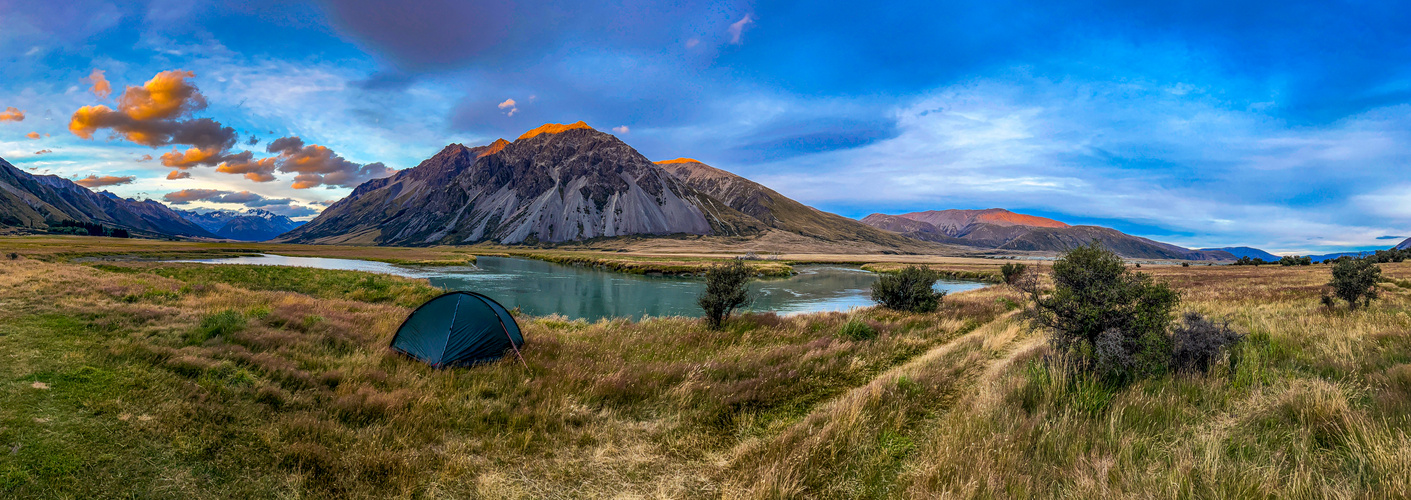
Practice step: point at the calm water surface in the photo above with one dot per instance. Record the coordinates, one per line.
(543, 288)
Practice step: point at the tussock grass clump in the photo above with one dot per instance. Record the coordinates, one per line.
(856, 329)
(219, 324)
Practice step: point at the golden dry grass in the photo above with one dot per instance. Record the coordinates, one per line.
(192, 385)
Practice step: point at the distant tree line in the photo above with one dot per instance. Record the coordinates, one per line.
(1379, 257)
(87, 229)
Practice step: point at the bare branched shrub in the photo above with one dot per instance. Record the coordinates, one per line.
(1012, 272)
(1199, 343)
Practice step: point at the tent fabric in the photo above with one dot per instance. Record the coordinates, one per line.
(458, 329)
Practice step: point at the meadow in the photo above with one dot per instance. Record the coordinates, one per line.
(170, 380)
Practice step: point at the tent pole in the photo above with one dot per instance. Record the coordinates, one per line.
(512, 346)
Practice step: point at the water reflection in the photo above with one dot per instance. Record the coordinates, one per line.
(543, 288)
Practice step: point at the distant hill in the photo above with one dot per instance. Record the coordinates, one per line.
(555, 183)
(249, 225)
(1001, 229)
(773, 209)
(1253, 253)
(38, 201)
(1405, 244)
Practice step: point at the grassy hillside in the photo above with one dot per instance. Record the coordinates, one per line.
(174, 380)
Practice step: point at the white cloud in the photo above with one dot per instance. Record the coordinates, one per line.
(737, 28)
(1180, 168)
(510, 105)
(620, 129)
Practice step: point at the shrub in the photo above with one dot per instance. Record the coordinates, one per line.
(908, 290)
(1111, 320)
(1355, 281)
(1012, 272)
(1199, 343)
(856, 329)
(1185, 264)
(726, 290)
(120, 233)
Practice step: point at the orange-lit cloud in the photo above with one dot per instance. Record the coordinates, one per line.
(192, 157)
(32, 135)
(101, 87)
(164, 97)
(43, 152)
(317, 165)
(261, 170)
(189, 195)
(153, 115)
(93, 181)
(178, 174)
(11, 115)
(144, 158)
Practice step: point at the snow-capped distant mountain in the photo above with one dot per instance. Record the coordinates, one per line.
(248, 225)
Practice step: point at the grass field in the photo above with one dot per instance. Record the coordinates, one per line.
(183, 381)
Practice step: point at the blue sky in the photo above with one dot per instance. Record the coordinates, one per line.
(1281, 125)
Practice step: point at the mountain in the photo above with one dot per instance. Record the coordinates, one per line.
(36, 201)
(1253, 253)
(1405, 244)
(250, 225)
(554, 183)
(1005, 230)
(773, 209)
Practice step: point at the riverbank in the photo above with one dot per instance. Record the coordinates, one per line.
(204, 381)
(56, 248)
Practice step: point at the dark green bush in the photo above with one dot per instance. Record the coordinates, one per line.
(1199, 343)
(1111, 320)
(908, 290)
(1012, 272)
(726, 290)
(1355, 281)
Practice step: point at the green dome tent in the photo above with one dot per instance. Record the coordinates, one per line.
(458, 329)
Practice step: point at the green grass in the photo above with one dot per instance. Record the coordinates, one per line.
(185, 381)
(322, 283)
(219, 381)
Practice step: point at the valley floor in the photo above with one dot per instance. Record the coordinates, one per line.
(150, 379)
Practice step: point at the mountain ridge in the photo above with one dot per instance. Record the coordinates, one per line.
(555, 183)
(34, 201)
(1001, 229)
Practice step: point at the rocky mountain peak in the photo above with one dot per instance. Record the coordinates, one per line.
(553, 128)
